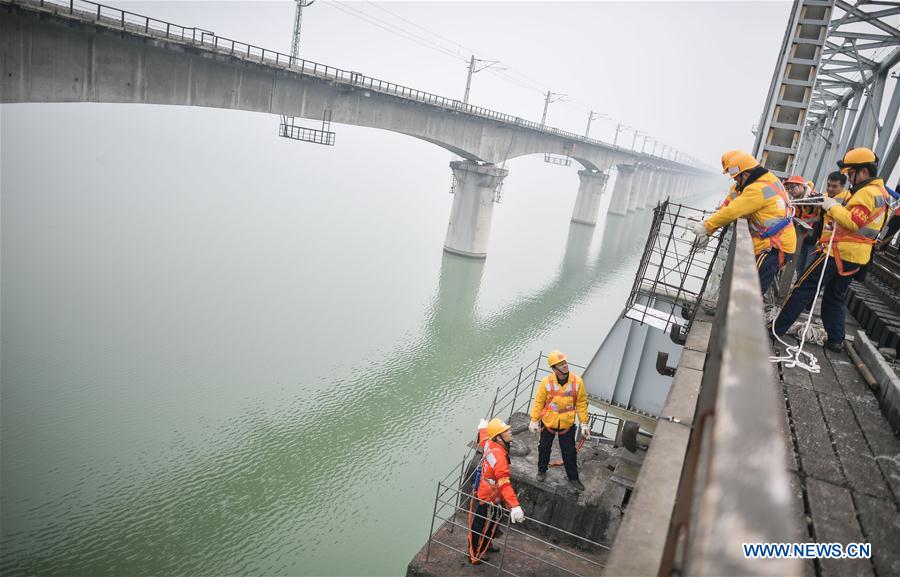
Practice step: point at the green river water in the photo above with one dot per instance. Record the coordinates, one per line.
(224, 353)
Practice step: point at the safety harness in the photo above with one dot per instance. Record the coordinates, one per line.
(477, 552)
(554, 392)
(772, 232)
(864, 235)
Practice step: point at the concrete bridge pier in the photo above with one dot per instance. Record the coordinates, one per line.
(590, 192)
(619, 202)
(672, 187)
(635, 190)
(653, 195)
(469, 228)
(645, 190)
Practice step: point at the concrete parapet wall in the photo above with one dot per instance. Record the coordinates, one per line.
(715, 474)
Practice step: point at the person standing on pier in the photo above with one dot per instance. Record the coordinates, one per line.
(492, 486)
(559, 397)
(763, 201)
(854, 226)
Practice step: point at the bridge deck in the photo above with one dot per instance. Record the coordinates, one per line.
(845, 465)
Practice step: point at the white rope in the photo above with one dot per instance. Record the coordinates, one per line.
(794, 353)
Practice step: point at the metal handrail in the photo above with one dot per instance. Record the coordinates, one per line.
(140, 24)
(514, 386)
(465, 497)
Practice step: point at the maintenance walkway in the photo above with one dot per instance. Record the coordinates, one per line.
(844, 463)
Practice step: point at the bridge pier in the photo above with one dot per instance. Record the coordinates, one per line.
(671, 189)
(619, 202)
(683, 186)
(653, 188)
(590, 192)
(473, 204)
(636, 188)
(645, 178)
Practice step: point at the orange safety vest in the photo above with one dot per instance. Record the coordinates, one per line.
(866, 234)
(494, 483)
(555, 392)
(809, 214)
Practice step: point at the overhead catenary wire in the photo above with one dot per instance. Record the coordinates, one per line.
(448, 47)
(399, 31)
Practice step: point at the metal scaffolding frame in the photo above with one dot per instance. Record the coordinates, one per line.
(855, 100)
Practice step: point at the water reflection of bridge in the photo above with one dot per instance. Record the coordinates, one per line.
(272, 476)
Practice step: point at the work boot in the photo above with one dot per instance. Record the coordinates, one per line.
(542, 476)
(834, 347)
(493, 548)
(577, 484)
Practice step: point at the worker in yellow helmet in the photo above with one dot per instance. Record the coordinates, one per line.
(492, 488)
(559, 397)
(850, 227)
(763, 201)
(732, 192)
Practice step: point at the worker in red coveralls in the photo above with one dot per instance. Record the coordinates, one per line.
(492, 487)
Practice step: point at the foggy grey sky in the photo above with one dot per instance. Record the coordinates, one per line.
(691, 74)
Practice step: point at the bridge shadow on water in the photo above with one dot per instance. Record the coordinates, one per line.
(257, 507)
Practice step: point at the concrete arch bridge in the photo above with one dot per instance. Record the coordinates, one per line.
(79, 51)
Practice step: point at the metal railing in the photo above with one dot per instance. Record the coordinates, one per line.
(513, 396)
(305, 134)
(510, 398)
(136, 23)
(450, 503)
(671, 268)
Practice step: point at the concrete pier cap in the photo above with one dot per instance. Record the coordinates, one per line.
(469, 228)
(619, 202)
(590, 193)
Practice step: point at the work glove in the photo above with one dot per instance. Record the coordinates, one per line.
(586, 430)
(534, 427)
(701, 238)
(516, 515)
(828, 202)
(482, 424)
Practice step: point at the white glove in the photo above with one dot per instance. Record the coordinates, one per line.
(586, 430)
(701, 238)
(516, 515)
(482, 424)
(828, 202)
(534, 426)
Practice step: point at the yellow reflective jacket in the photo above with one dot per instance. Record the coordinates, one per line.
(858, 223)
(732, 194)
(764, 204)
(556, 406)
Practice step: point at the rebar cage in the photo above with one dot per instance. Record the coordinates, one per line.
(673, 271)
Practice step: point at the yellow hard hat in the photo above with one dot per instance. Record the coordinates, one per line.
(495, 427)
(727, 157)
(857, 157)
(555, 357)
(738, 162)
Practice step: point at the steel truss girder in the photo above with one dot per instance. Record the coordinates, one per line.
(791, 91)
(846, 101)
